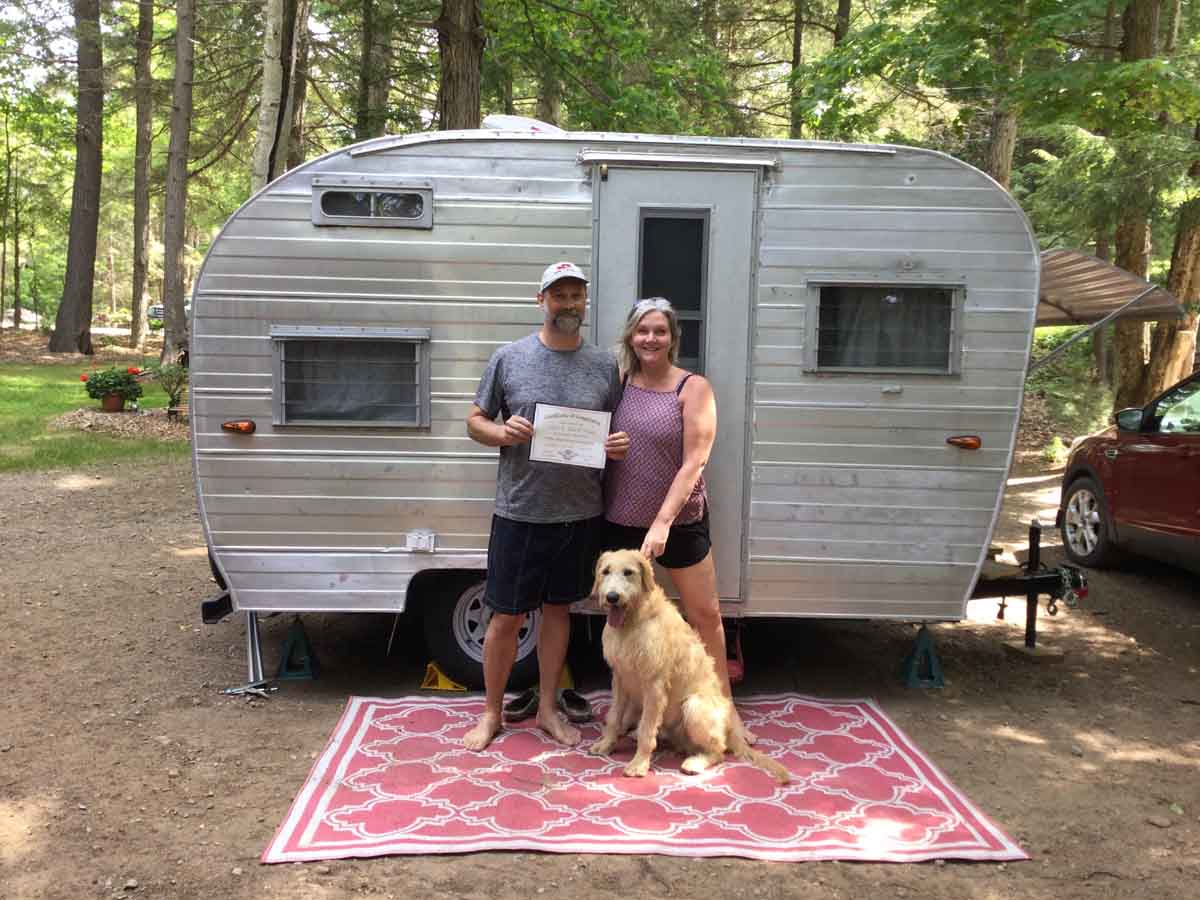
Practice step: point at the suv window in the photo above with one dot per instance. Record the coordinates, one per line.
(1179, 409)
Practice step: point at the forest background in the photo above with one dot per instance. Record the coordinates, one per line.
(132, 130)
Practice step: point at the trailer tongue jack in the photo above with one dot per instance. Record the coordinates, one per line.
(1063, 582)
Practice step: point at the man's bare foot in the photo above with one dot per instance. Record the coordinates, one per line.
(556, 726)
(483, 732)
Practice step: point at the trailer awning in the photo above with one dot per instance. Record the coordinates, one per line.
(1080, 289)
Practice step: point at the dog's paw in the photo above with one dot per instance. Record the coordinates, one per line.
(637, 768)
(694, 765)
(602, 747)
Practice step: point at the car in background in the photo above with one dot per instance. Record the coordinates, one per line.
(156, 313)
(1136, 486)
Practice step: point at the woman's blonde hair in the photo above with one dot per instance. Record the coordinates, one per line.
(626, 359)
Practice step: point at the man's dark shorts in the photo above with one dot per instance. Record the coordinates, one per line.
(531, 563)
(686, 544)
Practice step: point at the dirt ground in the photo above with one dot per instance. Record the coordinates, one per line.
(124, 773)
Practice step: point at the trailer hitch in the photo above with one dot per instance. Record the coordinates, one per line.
(1064, 582)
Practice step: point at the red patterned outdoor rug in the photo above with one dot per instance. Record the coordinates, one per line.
(395, 779)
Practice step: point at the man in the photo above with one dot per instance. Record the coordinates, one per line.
(542, 545)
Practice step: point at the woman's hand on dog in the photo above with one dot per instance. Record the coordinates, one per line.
(655, 541)
(616, 445)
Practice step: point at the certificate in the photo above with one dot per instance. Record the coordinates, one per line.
(573, 437)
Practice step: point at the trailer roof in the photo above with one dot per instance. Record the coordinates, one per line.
(1079, 289)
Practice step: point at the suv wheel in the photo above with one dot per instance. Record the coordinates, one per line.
(1085, 525)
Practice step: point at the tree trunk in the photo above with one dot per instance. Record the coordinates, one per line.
(144, 99)
(73, 326)
(795, 89)
(374, 70)
(287, 56)
(1139, 41)
(841, 25)
(1173, 350)
(4, 218)
(270, 97)
(1002, 135)
(460, 49)
(16, 205)
(175, 337)
(299, 92)
(549, 101)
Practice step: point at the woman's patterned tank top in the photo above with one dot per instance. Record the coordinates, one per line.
(635, 487)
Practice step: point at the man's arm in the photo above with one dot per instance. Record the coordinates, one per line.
(490, 433)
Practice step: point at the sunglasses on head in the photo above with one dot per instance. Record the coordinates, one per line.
(650, 303)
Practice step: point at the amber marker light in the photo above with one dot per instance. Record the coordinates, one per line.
(241, 426)
(965, 441)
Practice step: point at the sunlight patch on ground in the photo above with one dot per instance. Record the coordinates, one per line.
(1016, 734)
(1115, 749)
(190, 552)
(77, 482)
(18, 823)
(1035, 479)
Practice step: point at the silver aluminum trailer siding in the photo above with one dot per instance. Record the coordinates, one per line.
(834, 492)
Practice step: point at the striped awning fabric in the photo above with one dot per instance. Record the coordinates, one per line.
(1078, 289)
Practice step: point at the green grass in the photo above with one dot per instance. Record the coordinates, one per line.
(1077, 400)
(32, 396)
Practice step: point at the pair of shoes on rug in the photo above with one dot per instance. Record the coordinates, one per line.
(572, 703)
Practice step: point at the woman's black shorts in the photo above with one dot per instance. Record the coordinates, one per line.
(686, 544)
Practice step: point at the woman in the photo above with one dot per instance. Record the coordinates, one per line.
(655, 499)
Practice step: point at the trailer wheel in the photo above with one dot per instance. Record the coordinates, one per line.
(1085, 526)
(456, 621)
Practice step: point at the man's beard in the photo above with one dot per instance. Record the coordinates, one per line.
(568, 323)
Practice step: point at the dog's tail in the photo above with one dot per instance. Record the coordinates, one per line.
(743, 751)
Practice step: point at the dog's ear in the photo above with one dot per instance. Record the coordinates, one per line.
(596, 580)
(647, 571)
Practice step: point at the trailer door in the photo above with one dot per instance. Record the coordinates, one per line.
(688, 235)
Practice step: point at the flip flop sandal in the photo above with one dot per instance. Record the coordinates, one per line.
(522, 706)
(575, 706)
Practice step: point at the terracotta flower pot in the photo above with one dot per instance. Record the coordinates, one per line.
(112, 402)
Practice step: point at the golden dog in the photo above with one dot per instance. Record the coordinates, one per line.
(663, 678)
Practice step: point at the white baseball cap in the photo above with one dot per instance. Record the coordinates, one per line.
(558, 271)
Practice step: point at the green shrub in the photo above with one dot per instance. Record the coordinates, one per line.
(173, 379)
(1056, 451)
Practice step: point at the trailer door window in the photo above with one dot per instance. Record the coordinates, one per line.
(896, 328)
(348, 376)
(674, 245)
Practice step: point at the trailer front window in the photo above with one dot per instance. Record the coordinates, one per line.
(897, 328)
(372, 208)
(364, 377)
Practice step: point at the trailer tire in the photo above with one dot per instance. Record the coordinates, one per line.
(455, 621)
(1085, 526)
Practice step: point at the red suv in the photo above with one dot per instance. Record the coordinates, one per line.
(1136, 486)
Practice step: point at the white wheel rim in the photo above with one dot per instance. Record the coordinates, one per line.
(470, 622)
(1082, 523)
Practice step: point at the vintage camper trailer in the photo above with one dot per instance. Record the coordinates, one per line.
(864, 314)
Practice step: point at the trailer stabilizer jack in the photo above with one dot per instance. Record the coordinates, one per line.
(922, 668)
(297, 660)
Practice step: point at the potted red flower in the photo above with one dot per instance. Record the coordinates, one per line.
(113, 386)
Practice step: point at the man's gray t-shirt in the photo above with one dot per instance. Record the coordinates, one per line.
(521, 375)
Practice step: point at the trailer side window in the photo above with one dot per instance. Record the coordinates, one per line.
(350, 376)
(341, 205)
(895, 328)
